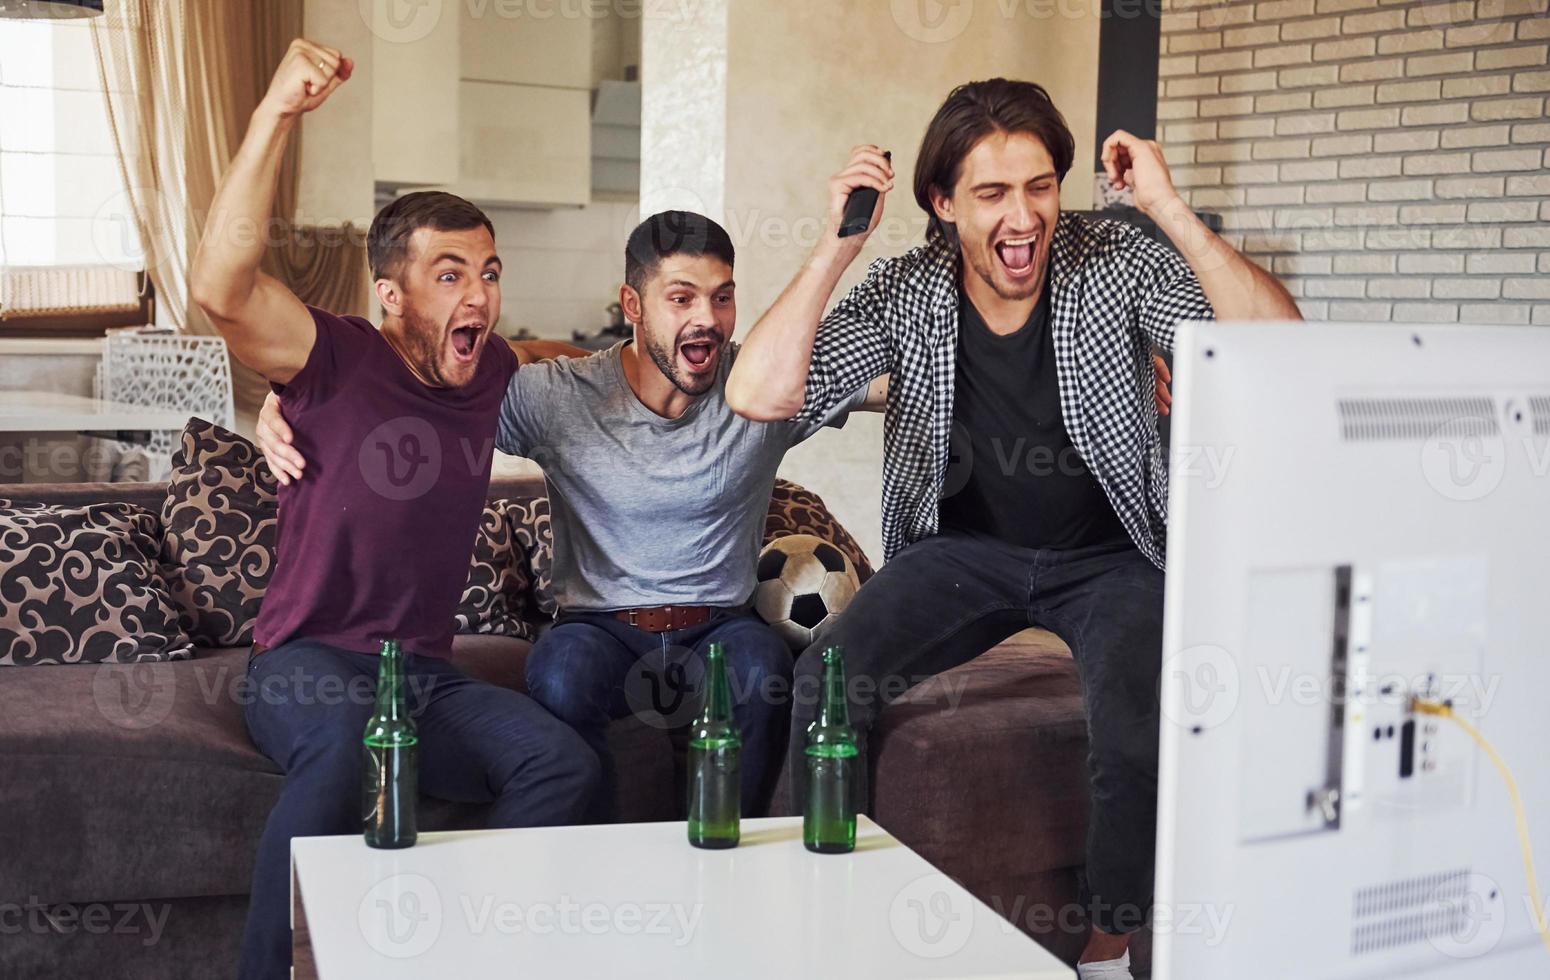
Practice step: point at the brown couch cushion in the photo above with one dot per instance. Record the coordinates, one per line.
(135, 781)
(992, 752)
(83, 585)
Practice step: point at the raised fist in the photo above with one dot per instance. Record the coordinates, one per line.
(307, 76)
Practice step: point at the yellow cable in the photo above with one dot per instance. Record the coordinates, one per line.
(1446, 711)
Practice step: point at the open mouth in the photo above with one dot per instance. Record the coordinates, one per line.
(699, 352)
(1016, 255)
(465, 340)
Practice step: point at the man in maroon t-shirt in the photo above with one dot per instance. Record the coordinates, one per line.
(374, 545)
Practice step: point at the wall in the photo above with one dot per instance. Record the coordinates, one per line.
(336, 138)
(562, 268)
(809, 79)
(1387, 160)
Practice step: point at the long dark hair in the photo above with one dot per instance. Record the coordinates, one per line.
(973, 111)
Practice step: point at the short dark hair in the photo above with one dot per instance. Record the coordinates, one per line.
(387, 243)
(973, 111)
(669, 233)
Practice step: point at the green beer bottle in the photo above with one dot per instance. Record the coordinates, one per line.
(715, 769)
(829, 822)
(390, 775)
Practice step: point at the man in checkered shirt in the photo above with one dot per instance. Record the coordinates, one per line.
(1023, 479)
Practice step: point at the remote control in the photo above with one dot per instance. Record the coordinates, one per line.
(858, 207)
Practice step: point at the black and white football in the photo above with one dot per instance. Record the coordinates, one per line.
(804, 583)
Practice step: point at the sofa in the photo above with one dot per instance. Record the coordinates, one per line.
(135, 788)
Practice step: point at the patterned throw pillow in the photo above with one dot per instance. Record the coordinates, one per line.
(218, 539)
(797, 510)
(528, 519)
(495, 600)
(82, 585)
(220, 525)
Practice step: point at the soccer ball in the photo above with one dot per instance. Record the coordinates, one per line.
(804, 583)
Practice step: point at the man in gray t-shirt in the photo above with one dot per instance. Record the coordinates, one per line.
(647, 513)
(658, 493)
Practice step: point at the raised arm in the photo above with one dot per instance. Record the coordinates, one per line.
(265, 325)
(770, 378)
(1236, 287)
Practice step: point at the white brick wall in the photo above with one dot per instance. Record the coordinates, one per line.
(1388, 159)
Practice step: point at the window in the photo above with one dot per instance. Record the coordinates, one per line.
(62, 197)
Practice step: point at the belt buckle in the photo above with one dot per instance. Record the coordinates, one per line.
(634, 617)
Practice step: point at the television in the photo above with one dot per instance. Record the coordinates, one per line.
(1359, 532)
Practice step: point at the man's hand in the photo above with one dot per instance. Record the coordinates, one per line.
(307, 76)
(274, 438)
(867, 167)
(1130, 161)
(1164, 377)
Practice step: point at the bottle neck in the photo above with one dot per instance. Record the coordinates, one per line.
(833, 709)
(718, 695)
(390, 683)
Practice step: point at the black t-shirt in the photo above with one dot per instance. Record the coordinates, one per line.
(1013, 473)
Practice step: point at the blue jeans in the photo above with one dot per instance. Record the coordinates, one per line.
(591, 669)
(306, 708)
(948, 598)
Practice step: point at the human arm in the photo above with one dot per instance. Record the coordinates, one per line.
(1236, 287)
(264, 324)
(789, 365)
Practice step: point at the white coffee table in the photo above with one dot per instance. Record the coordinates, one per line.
(635, 900)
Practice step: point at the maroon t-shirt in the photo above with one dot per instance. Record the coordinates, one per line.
(374, 540)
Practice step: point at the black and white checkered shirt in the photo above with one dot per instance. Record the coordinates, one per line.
(1114, 294)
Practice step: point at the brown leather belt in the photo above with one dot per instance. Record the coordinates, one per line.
(660, 619)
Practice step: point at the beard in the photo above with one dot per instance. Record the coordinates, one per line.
(424, 340)
(665, 357)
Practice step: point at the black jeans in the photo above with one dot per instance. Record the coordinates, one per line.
(948, 598)
(590, 669)
(306, 709)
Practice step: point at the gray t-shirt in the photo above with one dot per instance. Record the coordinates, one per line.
(647, 511)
